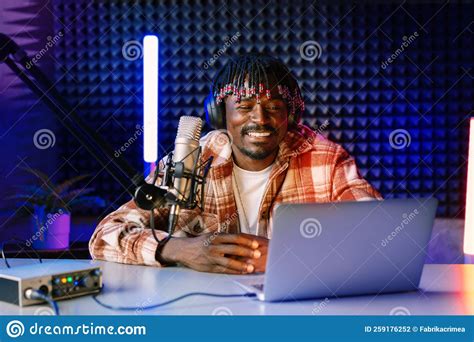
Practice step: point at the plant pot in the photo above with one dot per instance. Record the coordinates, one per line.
(50, 230)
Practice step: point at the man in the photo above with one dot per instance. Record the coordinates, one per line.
(264, 156)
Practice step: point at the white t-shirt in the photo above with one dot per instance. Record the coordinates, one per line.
(251, 185)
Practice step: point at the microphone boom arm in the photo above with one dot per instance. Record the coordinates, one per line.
(146, 196)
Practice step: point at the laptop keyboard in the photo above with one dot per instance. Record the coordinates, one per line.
(258, 286)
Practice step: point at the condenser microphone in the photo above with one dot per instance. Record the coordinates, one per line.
(182, 179)
(185, 160)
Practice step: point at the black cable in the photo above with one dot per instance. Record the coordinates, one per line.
(2, 251)
(152, 225)
(154, 306)
(19, 243)
(38, 295)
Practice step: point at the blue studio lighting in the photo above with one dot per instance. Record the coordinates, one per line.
(150, 98)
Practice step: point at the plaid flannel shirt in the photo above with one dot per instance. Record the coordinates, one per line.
(308, 168)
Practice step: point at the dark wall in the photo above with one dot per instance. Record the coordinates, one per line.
(28, 131)
(404, 120)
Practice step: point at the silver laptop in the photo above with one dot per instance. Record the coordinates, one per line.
(345, 248)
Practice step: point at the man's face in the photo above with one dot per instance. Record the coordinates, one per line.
(257, 129)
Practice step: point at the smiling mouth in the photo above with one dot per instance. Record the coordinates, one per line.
(259, 134)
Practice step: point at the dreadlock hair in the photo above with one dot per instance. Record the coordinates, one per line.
(256, 75)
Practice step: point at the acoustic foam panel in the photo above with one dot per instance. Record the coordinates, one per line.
(426, 91)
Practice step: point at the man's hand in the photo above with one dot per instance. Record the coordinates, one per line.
(261, 262)
(221, 253)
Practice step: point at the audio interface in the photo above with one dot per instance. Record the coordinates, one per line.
(58, 279)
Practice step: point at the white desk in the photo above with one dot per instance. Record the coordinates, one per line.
(448, 290)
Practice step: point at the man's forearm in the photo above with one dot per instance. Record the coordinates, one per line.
(170, 252)
(123, 236)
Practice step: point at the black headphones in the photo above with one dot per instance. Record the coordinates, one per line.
(215, 113)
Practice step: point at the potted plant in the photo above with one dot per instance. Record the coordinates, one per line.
(50, 205)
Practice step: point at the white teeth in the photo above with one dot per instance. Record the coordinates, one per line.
(259, 134)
